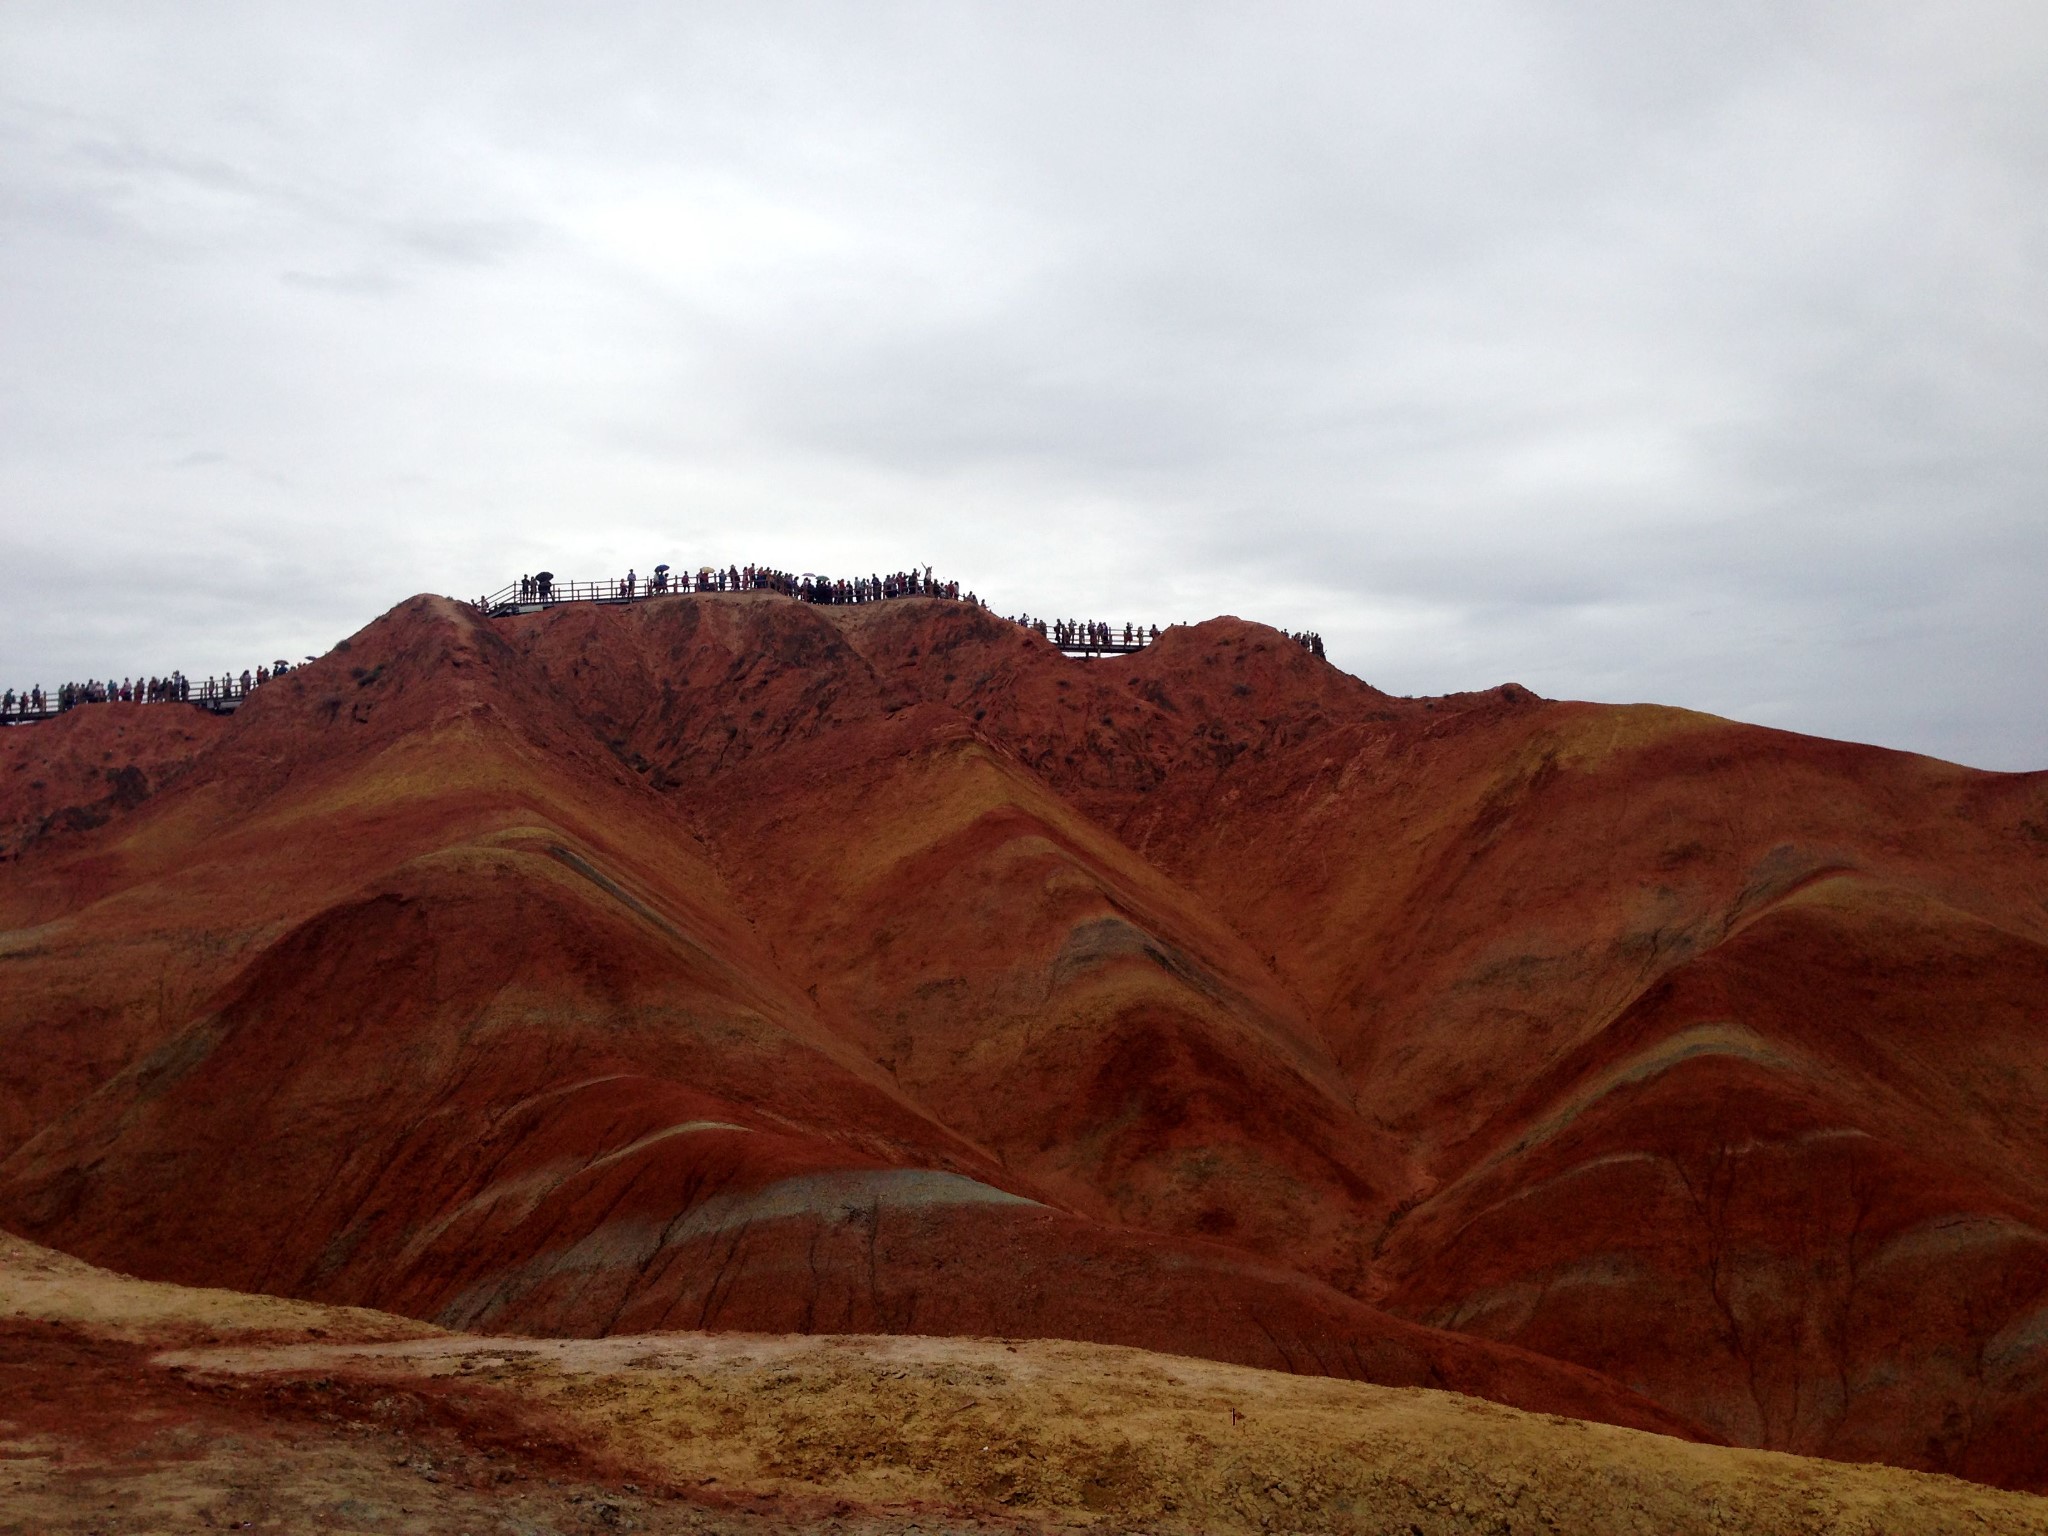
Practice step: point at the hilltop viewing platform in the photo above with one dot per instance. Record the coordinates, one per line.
(221, 695)
(1076, 637)
(542, 590)
(530, 594)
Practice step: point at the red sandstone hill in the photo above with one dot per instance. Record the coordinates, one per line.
(723, 961)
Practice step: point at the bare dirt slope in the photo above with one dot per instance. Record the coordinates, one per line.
(140, 1406)
(728, 962)
(80, 770)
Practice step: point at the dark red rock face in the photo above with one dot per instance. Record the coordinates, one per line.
(726, 962)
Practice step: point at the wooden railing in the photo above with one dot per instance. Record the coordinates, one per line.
(519, 598)
(219, 704)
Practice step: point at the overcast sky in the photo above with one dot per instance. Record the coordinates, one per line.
(1684, 352)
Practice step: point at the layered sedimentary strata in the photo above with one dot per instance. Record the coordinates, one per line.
(725, 961)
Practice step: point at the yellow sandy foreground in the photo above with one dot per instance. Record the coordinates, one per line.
(132, 1406)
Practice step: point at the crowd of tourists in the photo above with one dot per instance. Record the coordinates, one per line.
(34, 703)
(1088, 634)
(542, 586)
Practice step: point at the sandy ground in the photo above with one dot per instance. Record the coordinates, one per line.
(126, 1406)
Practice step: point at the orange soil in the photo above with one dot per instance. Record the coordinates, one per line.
(722, 961)
(91, 764)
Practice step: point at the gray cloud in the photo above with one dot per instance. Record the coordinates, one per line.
(1692, 354)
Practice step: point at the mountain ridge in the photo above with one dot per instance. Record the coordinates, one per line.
(1380, 1016)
